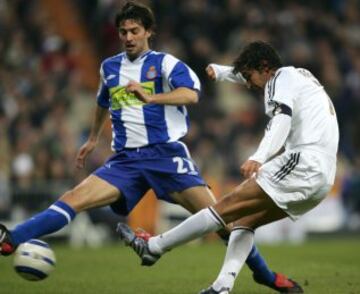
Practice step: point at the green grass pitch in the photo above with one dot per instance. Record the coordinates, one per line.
(326, 266)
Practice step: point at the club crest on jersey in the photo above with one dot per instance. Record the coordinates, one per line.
(151, 73)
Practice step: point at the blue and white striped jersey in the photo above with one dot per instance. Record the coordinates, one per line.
(134, 123)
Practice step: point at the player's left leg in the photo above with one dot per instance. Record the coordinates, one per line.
(240, 242)
(256, 209)
(196, 198)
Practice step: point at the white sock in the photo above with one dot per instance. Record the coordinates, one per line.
(197, 225)
(239, 246)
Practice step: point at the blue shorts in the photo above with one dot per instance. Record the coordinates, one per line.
(165, 168)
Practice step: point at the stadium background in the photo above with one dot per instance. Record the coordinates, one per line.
(50, 53)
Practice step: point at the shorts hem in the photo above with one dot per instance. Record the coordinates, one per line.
(166, 196)
(119, 207)
(269, 191)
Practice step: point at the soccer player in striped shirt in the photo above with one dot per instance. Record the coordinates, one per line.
(145, 93)
(279, 184)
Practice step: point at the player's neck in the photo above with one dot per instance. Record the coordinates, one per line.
(139, 55)
(270, 75)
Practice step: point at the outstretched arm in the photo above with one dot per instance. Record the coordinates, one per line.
(219, 72)
(90, 144)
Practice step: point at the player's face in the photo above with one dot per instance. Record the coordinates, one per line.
(134, 38)
(256, 79)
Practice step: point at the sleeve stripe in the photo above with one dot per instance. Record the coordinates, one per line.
(168, 64)
(195, 78)
(272, 86)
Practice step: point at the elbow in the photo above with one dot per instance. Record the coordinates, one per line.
(189, 96)
(194, 97)
(194, 100)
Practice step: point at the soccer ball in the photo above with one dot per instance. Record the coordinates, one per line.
(34, 260)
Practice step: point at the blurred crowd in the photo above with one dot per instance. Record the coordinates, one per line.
(45, 110)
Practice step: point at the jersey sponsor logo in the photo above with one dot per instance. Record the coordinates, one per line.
(152, 73)
(120, 98)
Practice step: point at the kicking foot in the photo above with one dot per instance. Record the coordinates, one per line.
(211, 290)
(6, 245)
(282, 284)
(141, 233)
(138, 244)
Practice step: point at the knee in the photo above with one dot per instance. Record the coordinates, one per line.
(71, 199)
(67, 196)
(248, 222)
(231, 198)
(245, 225)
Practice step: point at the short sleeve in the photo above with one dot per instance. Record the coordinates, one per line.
(103, 97)
(281, 89)
(178, 74)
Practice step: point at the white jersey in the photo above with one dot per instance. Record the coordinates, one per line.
(299, 178)
(304, 120)
(314, 123)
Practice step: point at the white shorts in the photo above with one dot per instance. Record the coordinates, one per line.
(297, 180)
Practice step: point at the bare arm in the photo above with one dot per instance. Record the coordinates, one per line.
(179, 96)
(98, 123)
(96, 129)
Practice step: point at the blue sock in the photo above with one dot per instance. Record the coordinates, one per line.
(48, 221)
(259, 267)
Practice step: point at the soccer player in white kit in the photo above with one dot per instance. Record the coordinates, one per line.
(290, 173)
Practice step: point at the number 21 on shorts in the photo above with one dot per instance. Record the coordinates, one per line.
(184, 165)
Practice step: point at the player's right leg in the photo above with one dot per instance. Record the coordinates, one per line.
(139, 245)
(247, 199)
(92, 192)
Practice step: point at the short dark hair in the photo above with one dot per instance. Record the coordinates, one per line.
(257, 55)
(138, 12)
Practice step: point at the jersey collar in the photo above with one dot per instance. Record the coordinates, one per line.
(140, 58)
